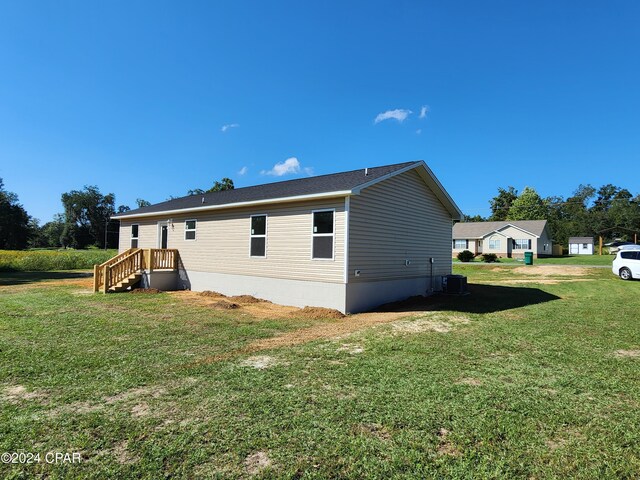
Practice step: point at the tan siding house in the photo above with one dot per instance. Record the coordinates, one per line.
(509, 239)
(366, 238)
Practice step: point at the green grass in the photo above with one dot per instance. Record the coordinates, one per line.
(524, 382)
(47, 260)
(585, 260)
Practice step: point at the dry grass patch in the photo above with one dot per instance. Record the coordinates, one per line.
(433, 322)
(553, 270)
(256, 462)
(372, 430)
(474, 382)
(18, 393)
(627, 353)
(446, 447)
(260, 362)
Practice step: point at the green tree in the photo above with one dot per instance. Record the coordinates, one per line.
(51, 232)
(218, 186)
(142, 203)
(528, 206)
(15, 226)
(87, 213)
(501, 203)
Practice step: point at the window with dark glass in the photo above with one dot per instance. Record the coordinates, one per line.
(190, 230)
(134, 236)
(259, 236)
(323, 235)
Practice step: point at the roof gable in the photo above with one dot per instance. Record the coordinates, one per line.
(463, 230)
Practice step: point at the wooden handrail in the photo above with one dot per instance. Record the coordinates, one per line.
(133, 260)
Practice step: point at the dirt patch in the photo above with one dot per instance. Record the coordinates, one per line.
(256, 462)
(122, 454)
(209, 293)
(372, 430)
(434, 322)
(541, 281)
(627, 353)
(553, 270)
(260, 362)
(140, 410)
(474, 382)
(18, 393)
(145, 290)
(134, 393)
(318, 313)
(247, 299)
(446, 447)
(224, 305)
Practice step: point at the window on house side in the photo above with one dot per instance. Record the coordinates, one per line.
(460, 244)
(258, 236)
(494, 244)
(323, 235)
(522, 244)
(134, 236)
(190, 230)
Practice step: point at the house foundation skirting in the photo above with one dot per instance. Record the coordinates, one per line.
(296, 293)
(363, 296)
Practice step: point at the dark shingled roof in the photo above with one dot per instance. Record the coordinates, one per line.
(291, 188)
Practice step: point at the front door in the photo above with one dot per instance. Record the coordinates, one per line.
(163, 236)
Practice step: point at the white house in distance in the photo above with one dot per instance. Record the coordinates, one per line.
(505, 239)
(349, 241)
(581, 246)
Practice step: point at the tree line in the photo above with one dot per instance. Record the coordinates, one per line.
(85, 220)
(610, 210)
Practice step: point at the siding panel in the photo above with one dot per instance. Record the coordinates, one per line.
(397, 220)
(222, 242)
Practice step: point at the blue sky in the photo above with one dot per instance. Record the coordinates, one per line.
(134, 96)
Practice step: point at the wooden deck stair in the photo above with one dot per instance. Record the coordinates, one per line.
(130, 281)
(126, 269)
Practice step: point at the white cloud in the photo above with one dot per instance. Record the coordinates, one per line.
(399, 114)
(288, 167)
(423, 111)
(228, 126)
(243, 171)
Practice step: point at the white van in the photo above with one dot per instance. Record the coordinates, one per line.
(627, 263)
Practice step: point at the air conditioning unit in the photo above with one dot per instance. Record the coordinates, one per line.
(454, 284)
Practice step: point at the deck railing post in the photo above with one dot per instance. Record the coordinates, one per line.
(106, 273)
(96, 273)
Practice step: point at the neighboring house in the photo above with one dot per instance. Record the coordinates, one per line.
(505, 239)
(581, 246)
(349, 241)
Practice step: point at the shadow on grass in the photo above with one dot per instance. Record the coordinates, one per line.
(23, 278)
(481, 299)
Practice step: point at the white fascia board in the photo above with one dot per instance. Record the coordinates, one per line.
(206, 208)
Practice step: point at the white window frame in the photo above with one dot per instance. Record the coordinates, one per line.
(455, 244)
(194, 230)
(313, 235)
(137, 237)
(518, 244)
(251, 235)
(494, 244)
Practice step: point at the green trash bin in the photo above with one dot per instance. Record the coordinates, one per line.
(528, 258)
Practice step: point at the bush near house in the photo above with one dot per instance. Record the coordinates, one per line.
(465, 256)
(489, 257)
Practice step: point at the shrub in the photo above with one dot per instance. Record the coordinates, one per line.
(465, 256)
(489, 257)
(46, 260)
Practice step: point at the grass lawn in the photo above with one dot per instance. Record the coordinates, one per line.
(535, 374)
(583, 260)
